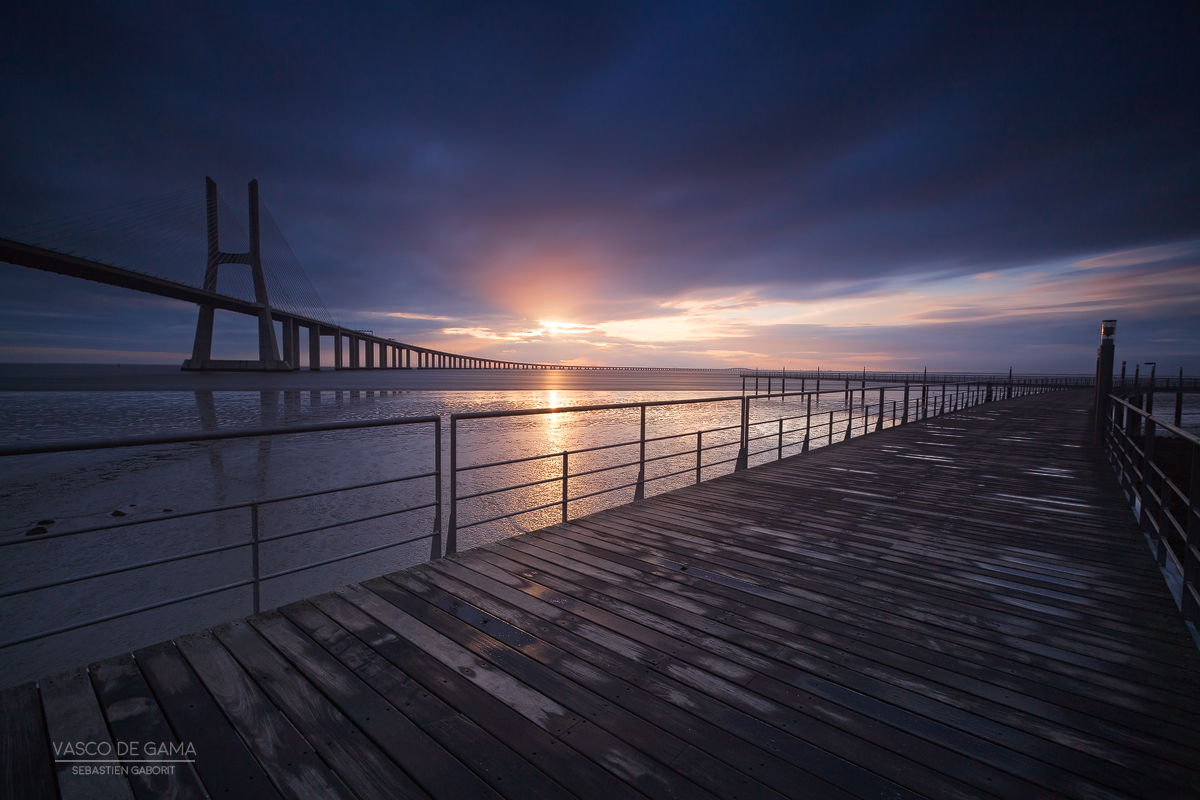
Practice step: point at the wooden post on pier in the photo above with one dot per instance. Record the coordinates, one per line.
(1179, 401)
(1104, 373)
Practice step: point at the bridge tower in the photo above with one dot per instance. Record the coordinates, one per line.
(268, 348)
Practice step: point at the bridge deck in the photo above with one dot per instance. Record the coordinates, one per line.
(958, 608)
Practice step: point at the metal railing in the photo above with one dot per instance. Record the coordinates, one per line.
(721, 445)
(765, 379)
(864, 377)
(918, 401)
(1169, 517)
(254, 540)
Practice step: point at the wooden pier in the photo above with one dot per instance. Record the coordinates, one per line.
(958, 608)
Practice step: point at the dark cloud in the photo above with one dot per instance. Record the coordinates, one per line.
(505, 161)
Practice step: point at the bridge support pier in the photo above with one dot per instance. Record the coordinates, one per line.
(314, 348)
(295, 332)
(291, 342)
(202, 348)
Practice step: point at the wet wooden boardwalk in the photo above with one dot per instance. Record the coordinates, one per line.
(958, 608)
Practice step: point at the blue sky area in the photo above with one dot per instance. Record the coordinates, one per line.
(844, 185)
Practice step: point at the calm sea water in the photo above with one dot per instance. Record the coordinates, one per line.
(65, 492)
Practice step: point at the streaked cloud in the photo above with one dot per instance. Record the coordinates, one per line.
(641, 183)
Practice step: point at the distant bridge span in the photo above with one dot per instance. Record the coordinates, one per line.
(375, 352)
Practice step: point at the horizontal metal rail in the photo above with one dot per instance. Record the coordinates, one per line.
(40, 537)
(931, 399)
(256, 540)
(1169, 517)
(208, 436)
(854, 417)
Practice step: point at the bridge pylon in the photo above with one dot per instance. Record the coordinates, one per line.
(268, 347)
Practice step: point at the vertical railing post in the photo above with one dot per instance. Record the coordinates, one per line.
(743, 457)
(639, 491)
(435, 541)
(254, 551)
(807, 425)
(1146, 513)
(452, 528)
(564, 486)
(904, 419)
(882, 402)
(699, 452)
(830, 426)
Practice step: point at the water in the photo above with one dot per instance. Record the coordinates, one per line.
(63, 492)
(70, 491)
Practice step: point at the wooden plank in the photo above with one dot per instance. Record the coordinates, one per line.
(723, 680)
(641, 541)
(503, 769)
(888, 681)
(521, 684)
(954, 589)
(73, 716)
(139, 730)
(697, 719)
(25, 768)
(436, 771)
(359, 763)
(533, 742)
(284, 754)
(790, 620)
(896, 604)
(645, 739)
(940, 746)
(712, 773)
(223, 762)
(963, 624)
(1096, 621)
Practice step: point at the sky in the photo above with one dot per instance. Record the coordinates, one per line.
(891, 186)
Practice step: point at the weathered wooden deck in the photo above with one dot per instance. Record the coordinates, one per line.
(957, 608)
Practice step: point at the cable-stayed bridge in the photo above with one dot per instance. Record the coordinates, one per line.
(190, 246)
